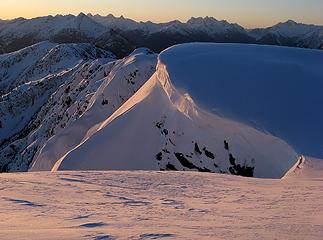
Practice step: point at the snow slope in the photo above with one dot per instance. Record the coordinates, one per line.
(162, 128)
(275, 89)
(39, 85)
(158, 205)
(123, 80)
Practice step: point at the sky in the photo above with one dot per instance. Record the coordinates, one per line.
(249, 13)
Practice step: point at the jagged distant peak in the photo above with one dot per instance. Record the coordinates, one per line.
(291, 22)
(19, 19)
(202, 19)
(81, 14)
(110, 15)
(288, 23)
(84, 17)
(294, 24)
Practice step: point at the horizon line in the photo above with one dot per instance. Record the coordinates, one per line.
(157, 22)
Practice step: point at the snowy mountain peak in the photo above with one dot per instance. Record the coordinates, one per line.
(290, 22)
(81, 14)
(211, 25)
(110, 15)
(201, 20)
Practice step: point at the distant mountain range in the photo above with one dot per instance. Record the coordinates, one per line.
(121, 35)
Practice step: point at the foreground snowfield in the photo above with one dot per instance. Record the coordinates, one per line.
(161, 205)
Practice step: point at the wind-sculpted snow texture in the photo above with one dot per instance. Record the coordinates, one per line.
(160, 205)
(275, 89)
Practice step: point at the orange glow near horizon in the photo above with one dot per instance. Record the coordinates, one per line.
(248, 13)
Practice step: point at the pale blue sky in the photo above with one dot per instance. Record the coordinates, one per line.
(249, 13)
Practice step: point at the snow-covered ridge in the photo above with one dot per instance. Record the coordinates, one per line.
(124, 79)
(129, 114)
(39, 84)
(160, 127)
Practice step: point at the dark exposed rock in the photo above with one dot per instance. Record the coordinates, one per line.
(197, 149)
(171, 167)
(185, 163)
(165, 131)
(159, 156)
(232, 159)
(238, 169)
(105, 102)
(181, 158)
(170, 140)
(165, 151)
(67, 90)
(208, 153)
(226, 145)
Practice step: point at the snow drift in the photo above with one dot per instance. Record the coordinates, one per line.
(275, 89)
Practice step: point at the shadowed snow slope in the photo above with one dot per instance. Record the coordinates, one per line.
(276, 89)
(162, 128)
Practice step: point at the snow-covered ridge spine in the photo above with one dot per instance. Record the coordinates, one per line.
(298, 165)
(183, 101)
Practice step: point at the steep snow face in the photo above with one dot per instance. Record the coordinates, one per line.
(40, 86)
(43, 59)
(162, 128)
(275, 89)
(31, 75)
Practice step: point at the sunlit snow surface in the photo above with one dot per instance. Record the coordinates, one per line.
(161, 205)
(277, 89)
